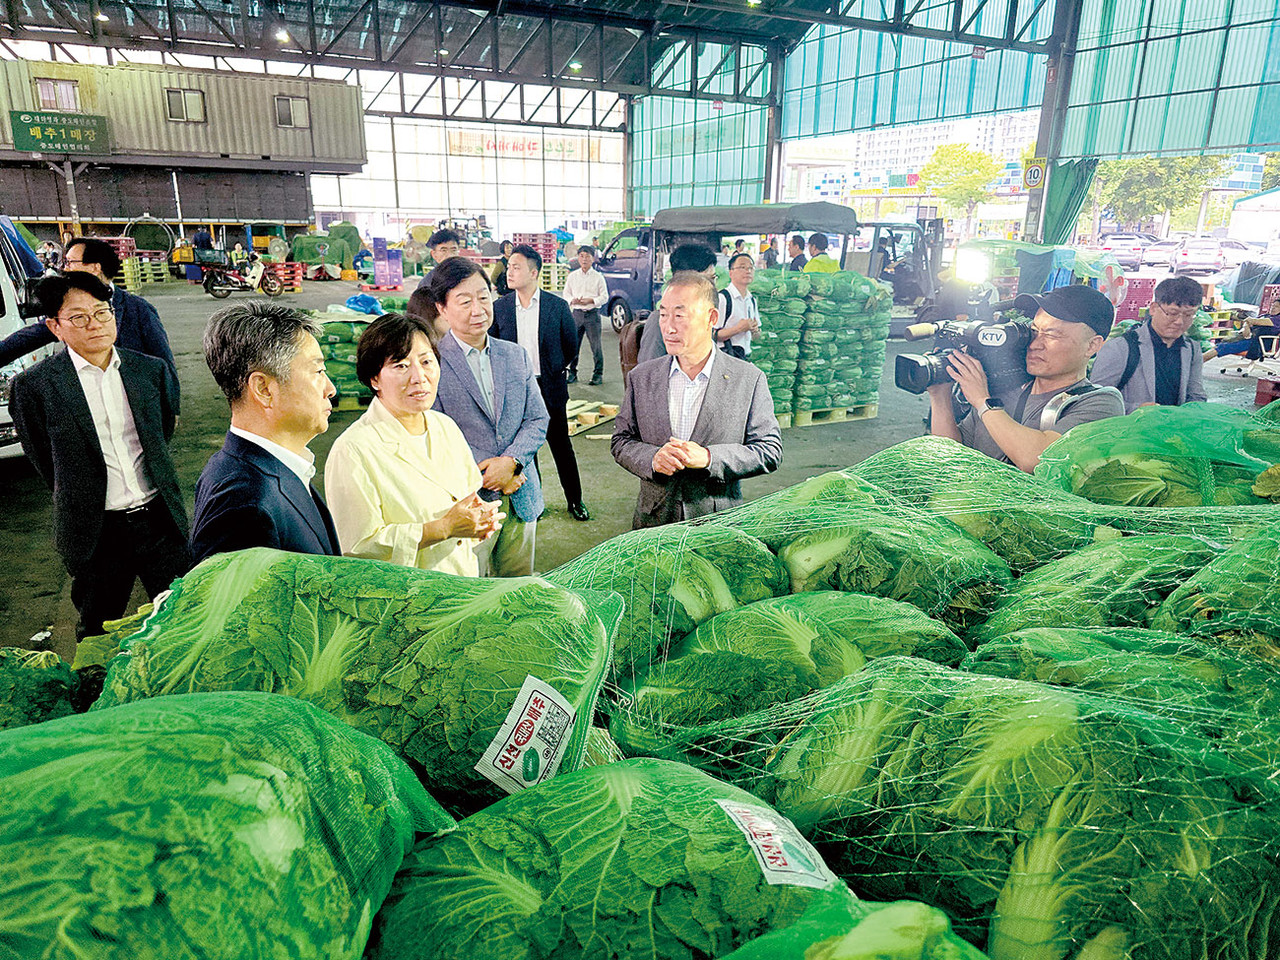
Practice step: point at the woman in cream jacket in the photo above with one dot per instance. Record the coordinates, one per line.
(401, 481)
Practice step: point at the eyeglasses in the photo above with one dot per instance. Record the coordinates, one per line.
(1177, 313)
(744, 266)
(81, 320)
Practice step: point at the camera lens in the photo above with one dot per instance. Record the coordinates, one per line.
(916, 374)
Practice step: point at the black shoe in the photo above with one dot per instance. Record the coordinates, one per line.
(596, 381)
(572, 378)
(579, 511)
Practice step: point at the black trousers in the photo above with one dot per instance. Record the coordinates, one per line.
(588, 322)
(562, 448)
(141, 543)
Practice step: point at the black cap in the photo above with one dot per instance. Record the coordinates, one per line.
(1075, 303)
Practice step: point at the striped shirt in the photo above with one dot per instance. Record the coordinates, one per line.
(684, 396)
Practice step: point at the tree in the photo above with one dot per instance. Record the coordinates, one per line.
(961, 176)
(1271, 172)
(1142, 188)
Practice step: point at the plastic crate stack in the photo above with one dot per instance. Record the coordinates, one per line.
(290, 274)
(553, 276)
(545, 243)
(146, 266)
(1140, 292)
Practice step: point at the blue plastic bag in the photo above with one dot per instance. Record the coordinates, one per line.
(364, 303)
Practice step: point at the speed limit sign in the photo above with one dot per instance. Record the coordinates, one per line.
(1033, 173)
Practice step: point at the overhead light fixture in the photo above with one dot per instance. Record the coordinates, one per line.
(282, 35)
(443, 52)
(753, 3)
(575, 65)
(102, 17)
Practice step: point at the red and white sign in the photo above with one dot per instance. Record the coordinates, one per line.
(979, 53)
(785, 857)
(532, 740)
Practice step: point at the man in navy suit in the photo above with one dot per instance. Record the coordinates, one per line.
(543, 324)
(138, 326)
(95, 420)
(256, 491)
(487, 387)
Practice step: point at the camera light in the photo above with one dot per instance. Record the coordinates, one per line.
(971, 266)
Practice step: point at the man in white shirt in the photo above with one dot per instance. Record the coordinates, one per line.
(587, 293)
(739, 315)
(256, 491)
(95, 420)
(694, 424)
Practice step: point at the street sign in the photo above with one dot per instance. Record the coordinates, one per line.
(979, 53)
(52, 131)
(717, 104)
(1033, 173)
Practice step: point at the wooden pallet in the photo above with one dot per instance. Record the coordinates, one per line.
(812, 418)
(576, 407)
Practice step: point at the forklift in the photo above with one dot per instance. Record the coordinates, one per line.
(908, 256)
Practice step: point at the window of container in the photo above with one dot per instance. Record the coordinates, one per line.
(58, 94)
(292, 112)
(185, 106)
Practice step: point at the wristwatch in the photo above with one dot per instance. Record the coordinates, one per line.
(519, 468)
(992, 403)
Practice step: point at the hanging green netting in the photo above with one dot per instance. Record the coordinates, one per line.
(770, 652)
(35, 685)
(442, 668)
(889, 551)
(1234, 601)
(1197, 454)
(1118, 583)
(640, 858)
(1041, 819)
(1229, 697)
(671, 579)
(311, 249)
(230, 826)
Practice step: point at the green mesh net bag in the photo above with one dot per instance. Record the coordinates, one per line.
(1233, 601)
(442, 668)
(636, 859)
(887, 550)
(1046, 822)
(1118, 583)
(201, 827)
(1197, 454)
(671, 579)
(770, 652)
(35, 685)
(1229, 697)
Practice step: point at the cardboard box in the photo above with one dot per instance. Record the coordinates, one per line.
(1270, 297)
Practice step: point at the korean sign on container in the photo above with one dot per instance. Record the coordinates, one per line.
(51, 131)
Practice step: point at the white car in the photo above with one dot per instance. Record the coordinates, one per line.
(13, 294)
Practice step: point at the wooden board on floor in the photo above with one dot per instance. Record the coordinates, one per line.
(576, 407)
(812, 418)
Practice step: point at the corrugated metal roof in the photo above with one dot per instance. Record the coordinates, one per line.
(1153, 77)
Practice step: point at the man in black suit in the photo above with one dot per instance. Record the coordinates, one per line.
(95, 420)
(256, 491)
(138, 326)
(542, 323)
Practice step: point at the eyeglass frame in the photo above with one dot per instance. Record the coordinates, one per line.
(87, 317)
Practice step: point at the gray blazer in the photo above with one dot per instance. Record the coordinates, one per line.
(518, 426)
(736, 424)
(1108, 368)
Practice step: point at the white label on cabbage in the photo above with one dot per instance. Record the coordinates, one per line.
(531, 742)
(785, 857)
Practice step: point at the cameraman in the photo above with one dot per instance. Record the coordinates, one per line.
(1071, 324)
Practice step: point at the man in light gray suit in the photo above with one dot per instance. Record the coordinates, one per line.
(693, 424)
(487, 387)
(1155, 362)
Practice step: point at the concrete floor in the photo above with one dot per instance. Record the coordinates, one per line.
(35, 590)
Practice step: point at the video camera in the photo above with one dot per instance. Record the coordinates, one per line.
(1000, 346)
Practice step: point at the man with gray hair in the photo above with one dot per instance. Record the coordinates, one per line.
(696, 423)
(256, 491)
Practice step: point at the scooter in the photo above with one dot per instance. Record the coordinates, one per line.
(220, 281)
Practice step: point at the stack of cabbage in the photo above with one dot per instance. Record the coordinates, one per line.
(822, 337)
(1197, 454)
(339, 338)
(1053, 719)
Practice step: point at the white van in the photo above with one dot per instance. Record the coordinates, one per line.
(15, 311)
